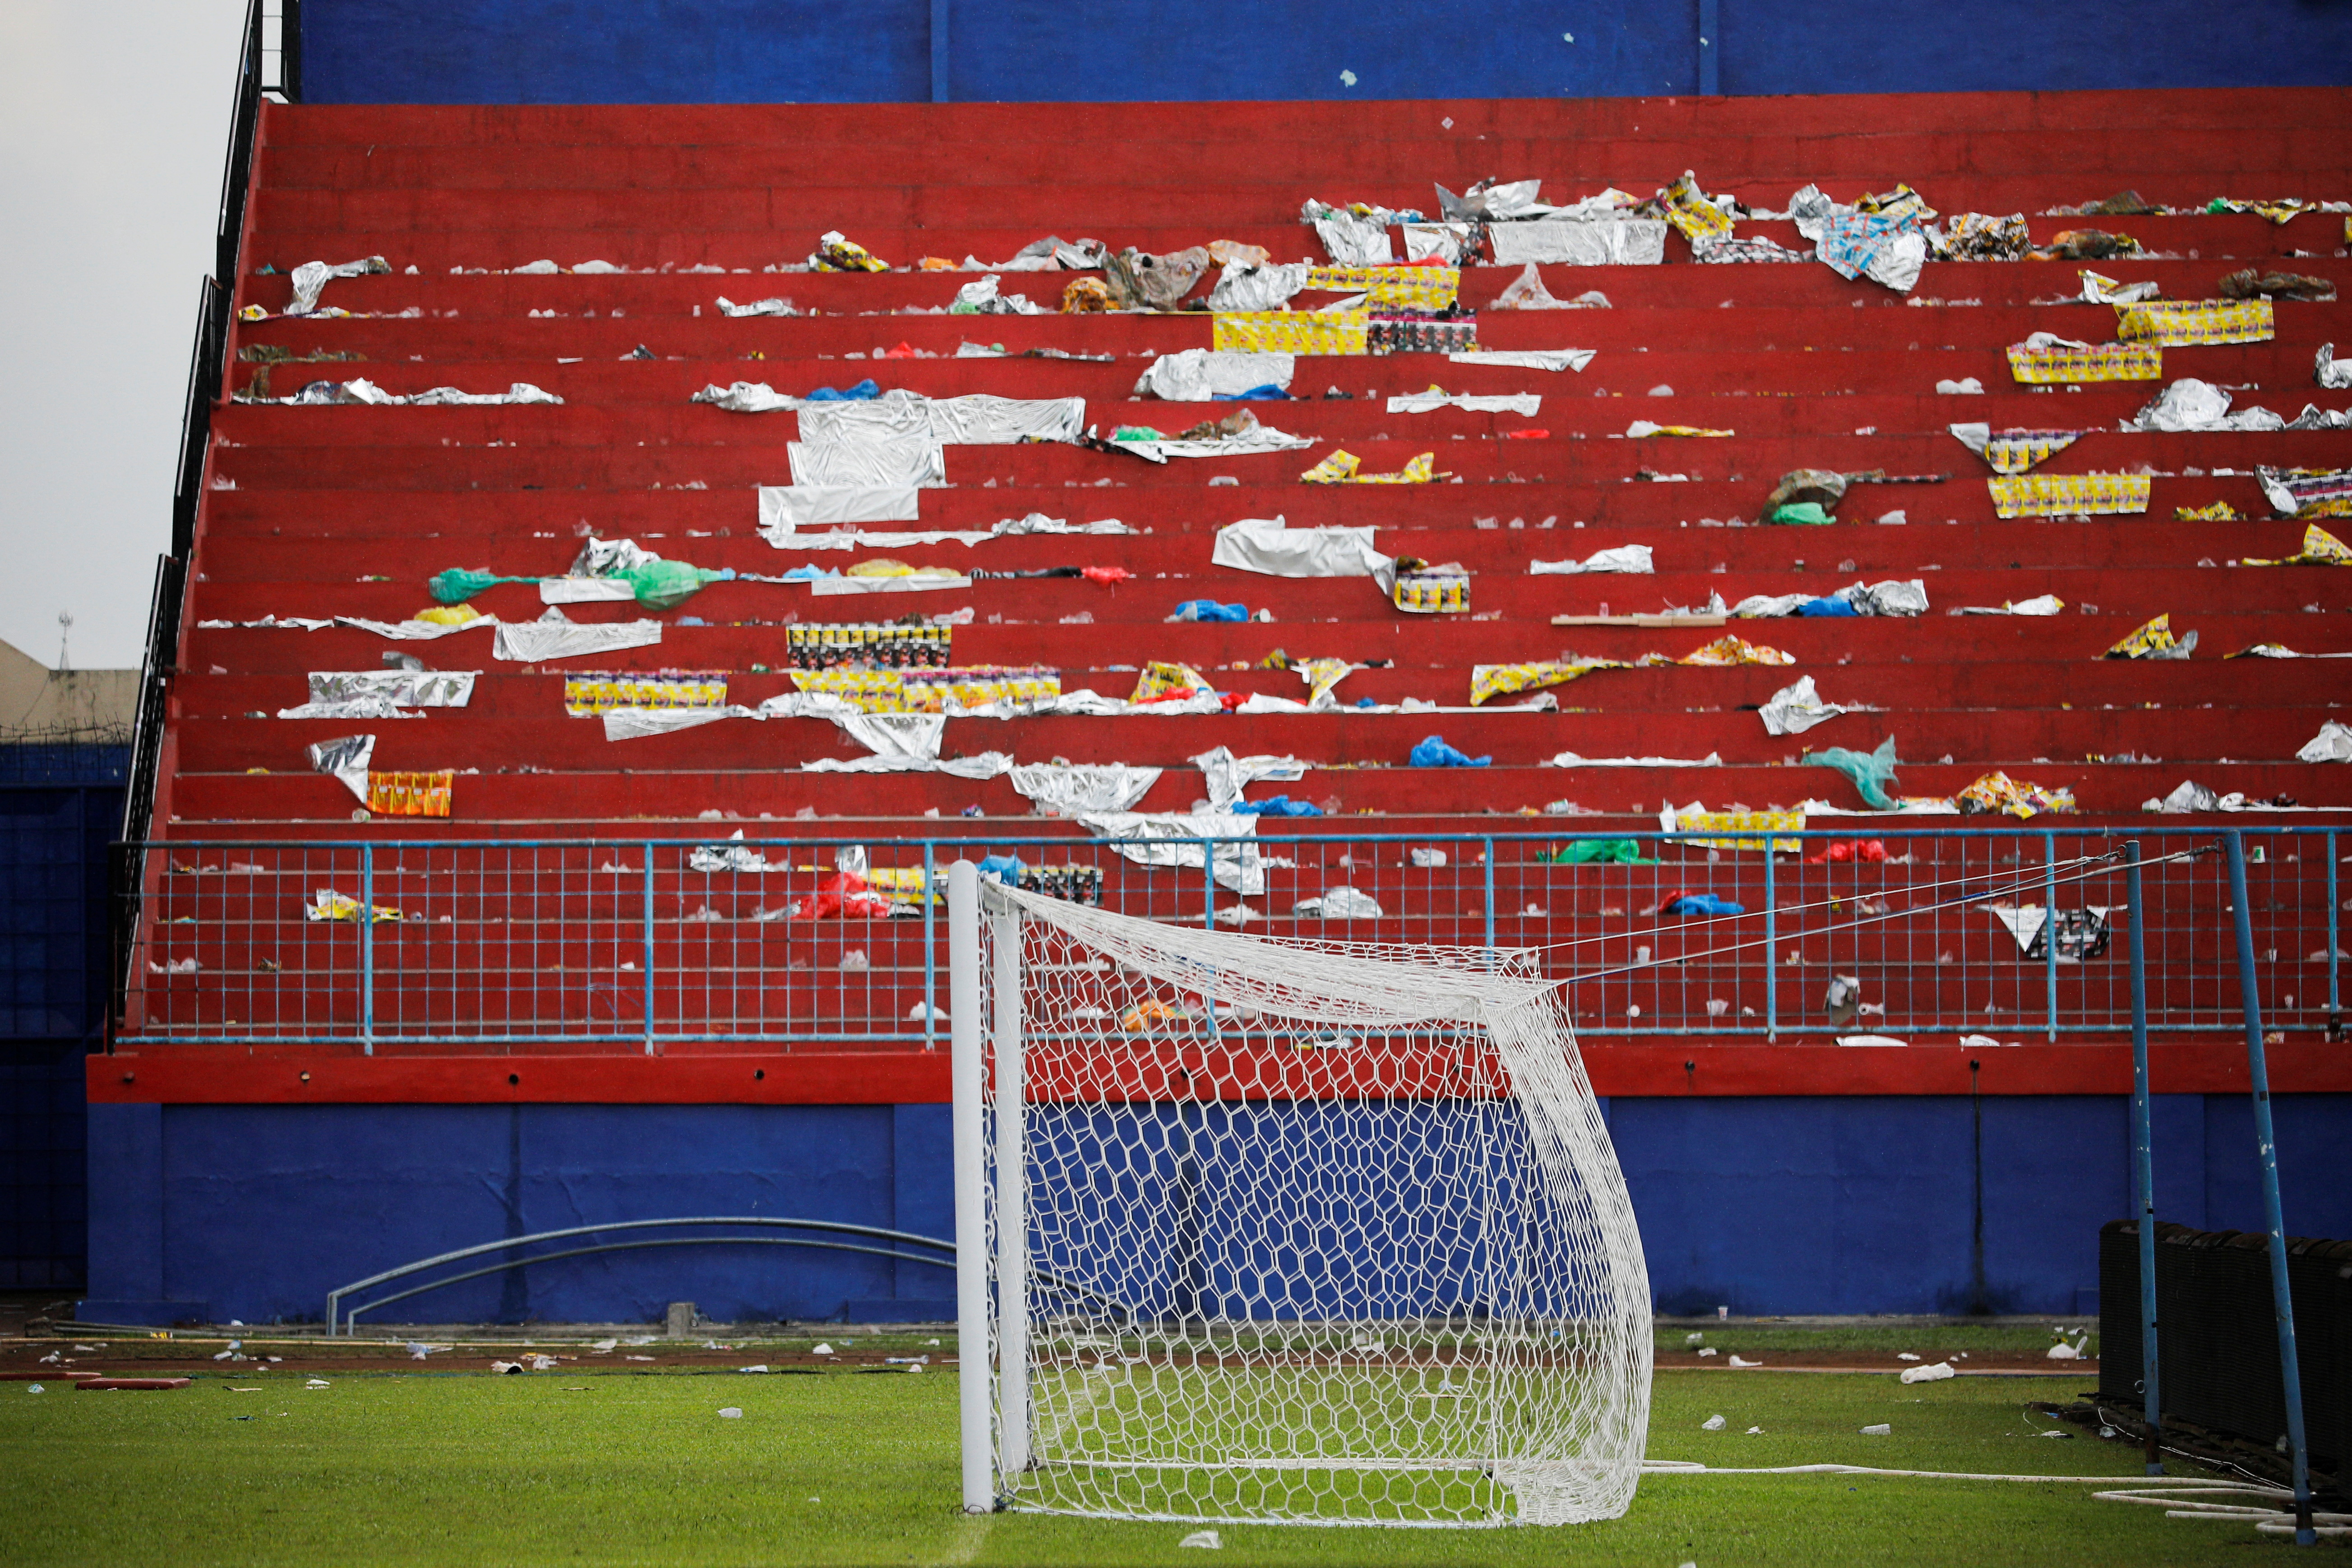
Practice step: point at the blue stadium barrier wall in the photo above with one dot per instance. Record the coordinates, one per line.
(1766, 1204)
(880, 51)
(60, 806)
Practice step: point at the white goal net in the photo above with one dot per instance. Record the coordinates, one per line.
(1254, 1229)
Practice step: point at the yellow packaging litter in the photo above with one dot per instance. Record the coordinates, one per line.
(2069, 495)
(2100, 361)
(1488, 680)
(1342, 467)
(2146, 641)
(1293, 331)
(1426, 590)
(2220, 511)
(2181, 324)
(1407, 288)
(1730, 650)
(1756, 828)
(410, 794)
(588, 693)
(2320, 548)
(1160, 679)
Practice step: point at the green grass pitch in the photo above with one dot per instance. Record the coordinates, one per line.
(569, 1467)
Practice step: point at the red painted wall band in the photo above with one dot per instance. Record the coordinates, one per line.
(198, 1076)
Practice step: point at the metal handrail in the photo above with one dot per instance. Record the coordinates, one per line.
(335, 1297)
(208, 377)
(352, 1317)
(2028, 866)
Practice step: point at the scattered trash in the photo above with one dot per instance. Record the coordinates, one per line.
(1872, 772)
(1882, 1429)
(732, 1413)
(1712, 1424)
(1794, 709)
(1434, 751)
(1341, 903)
(1737, 1361)
(1935, 1373)
(1207, 1540)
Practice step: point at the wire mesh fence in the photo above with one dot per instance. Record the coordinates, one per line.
(2018, 934)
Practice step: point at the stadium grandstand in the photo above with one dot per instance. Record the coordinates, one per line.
(1761, 558)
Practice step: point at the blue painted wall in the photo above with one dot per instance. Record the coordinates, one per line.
(60, 806)
(1766, 1206)
(824, 51)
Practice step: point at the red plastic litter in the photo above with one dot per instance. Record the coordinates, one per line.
(134, 1383)
(1526, 435)
(1868, 851)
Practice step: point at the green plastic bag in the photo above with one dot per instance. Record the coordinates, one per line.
(1807, 512)
(1872, 772)
(666, 585)
(460, 583)
(1596, 852)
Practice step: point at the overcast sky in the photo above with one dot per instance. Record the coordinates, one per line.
(113, 121)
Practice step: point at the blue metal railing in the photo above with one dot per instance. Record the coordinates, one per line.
(626, 944)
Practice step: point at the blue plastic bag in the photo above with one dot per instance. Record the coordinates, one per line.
(1276, 805)
(1004, 868)
(1433, 752)
(1269, 392)
(1826, 607)
(1701, 904)
(1210, 610)
(863, 392)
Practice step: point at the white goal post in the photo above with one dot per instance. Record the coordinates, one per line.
(1250, 1229)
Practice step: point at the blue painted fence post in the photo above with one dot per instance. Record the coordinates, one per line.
(646, 925)
(2267, 1151)
(367, 948)
(2144, 1167)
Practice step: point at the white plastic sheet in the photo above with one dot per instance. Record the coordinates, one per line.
(2327, 372)
(1077, 789)
(2332, 744)
(872, 462)
(1242, 286)
(345, 758)
(1354, 241)
(771, 307)
(834, 587)
(1256, 444)
(1527, 359)
(796, 508)
(2042, 604)
(1794, 709)
(312, 276)
(2192, 404)
(1268, 546)
(1228, 776)
(1570, 760)
(1435, 241)
(585, 591)
(1175, 838)
(748, 398)
(1526, 402)
(1197, 375)
(1341, 903)
(366, 707)
(411, 631)
(362, 391)
(978, 419)
(1581, 242)
(408, 688)
(1632, 559)
(552, 637)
